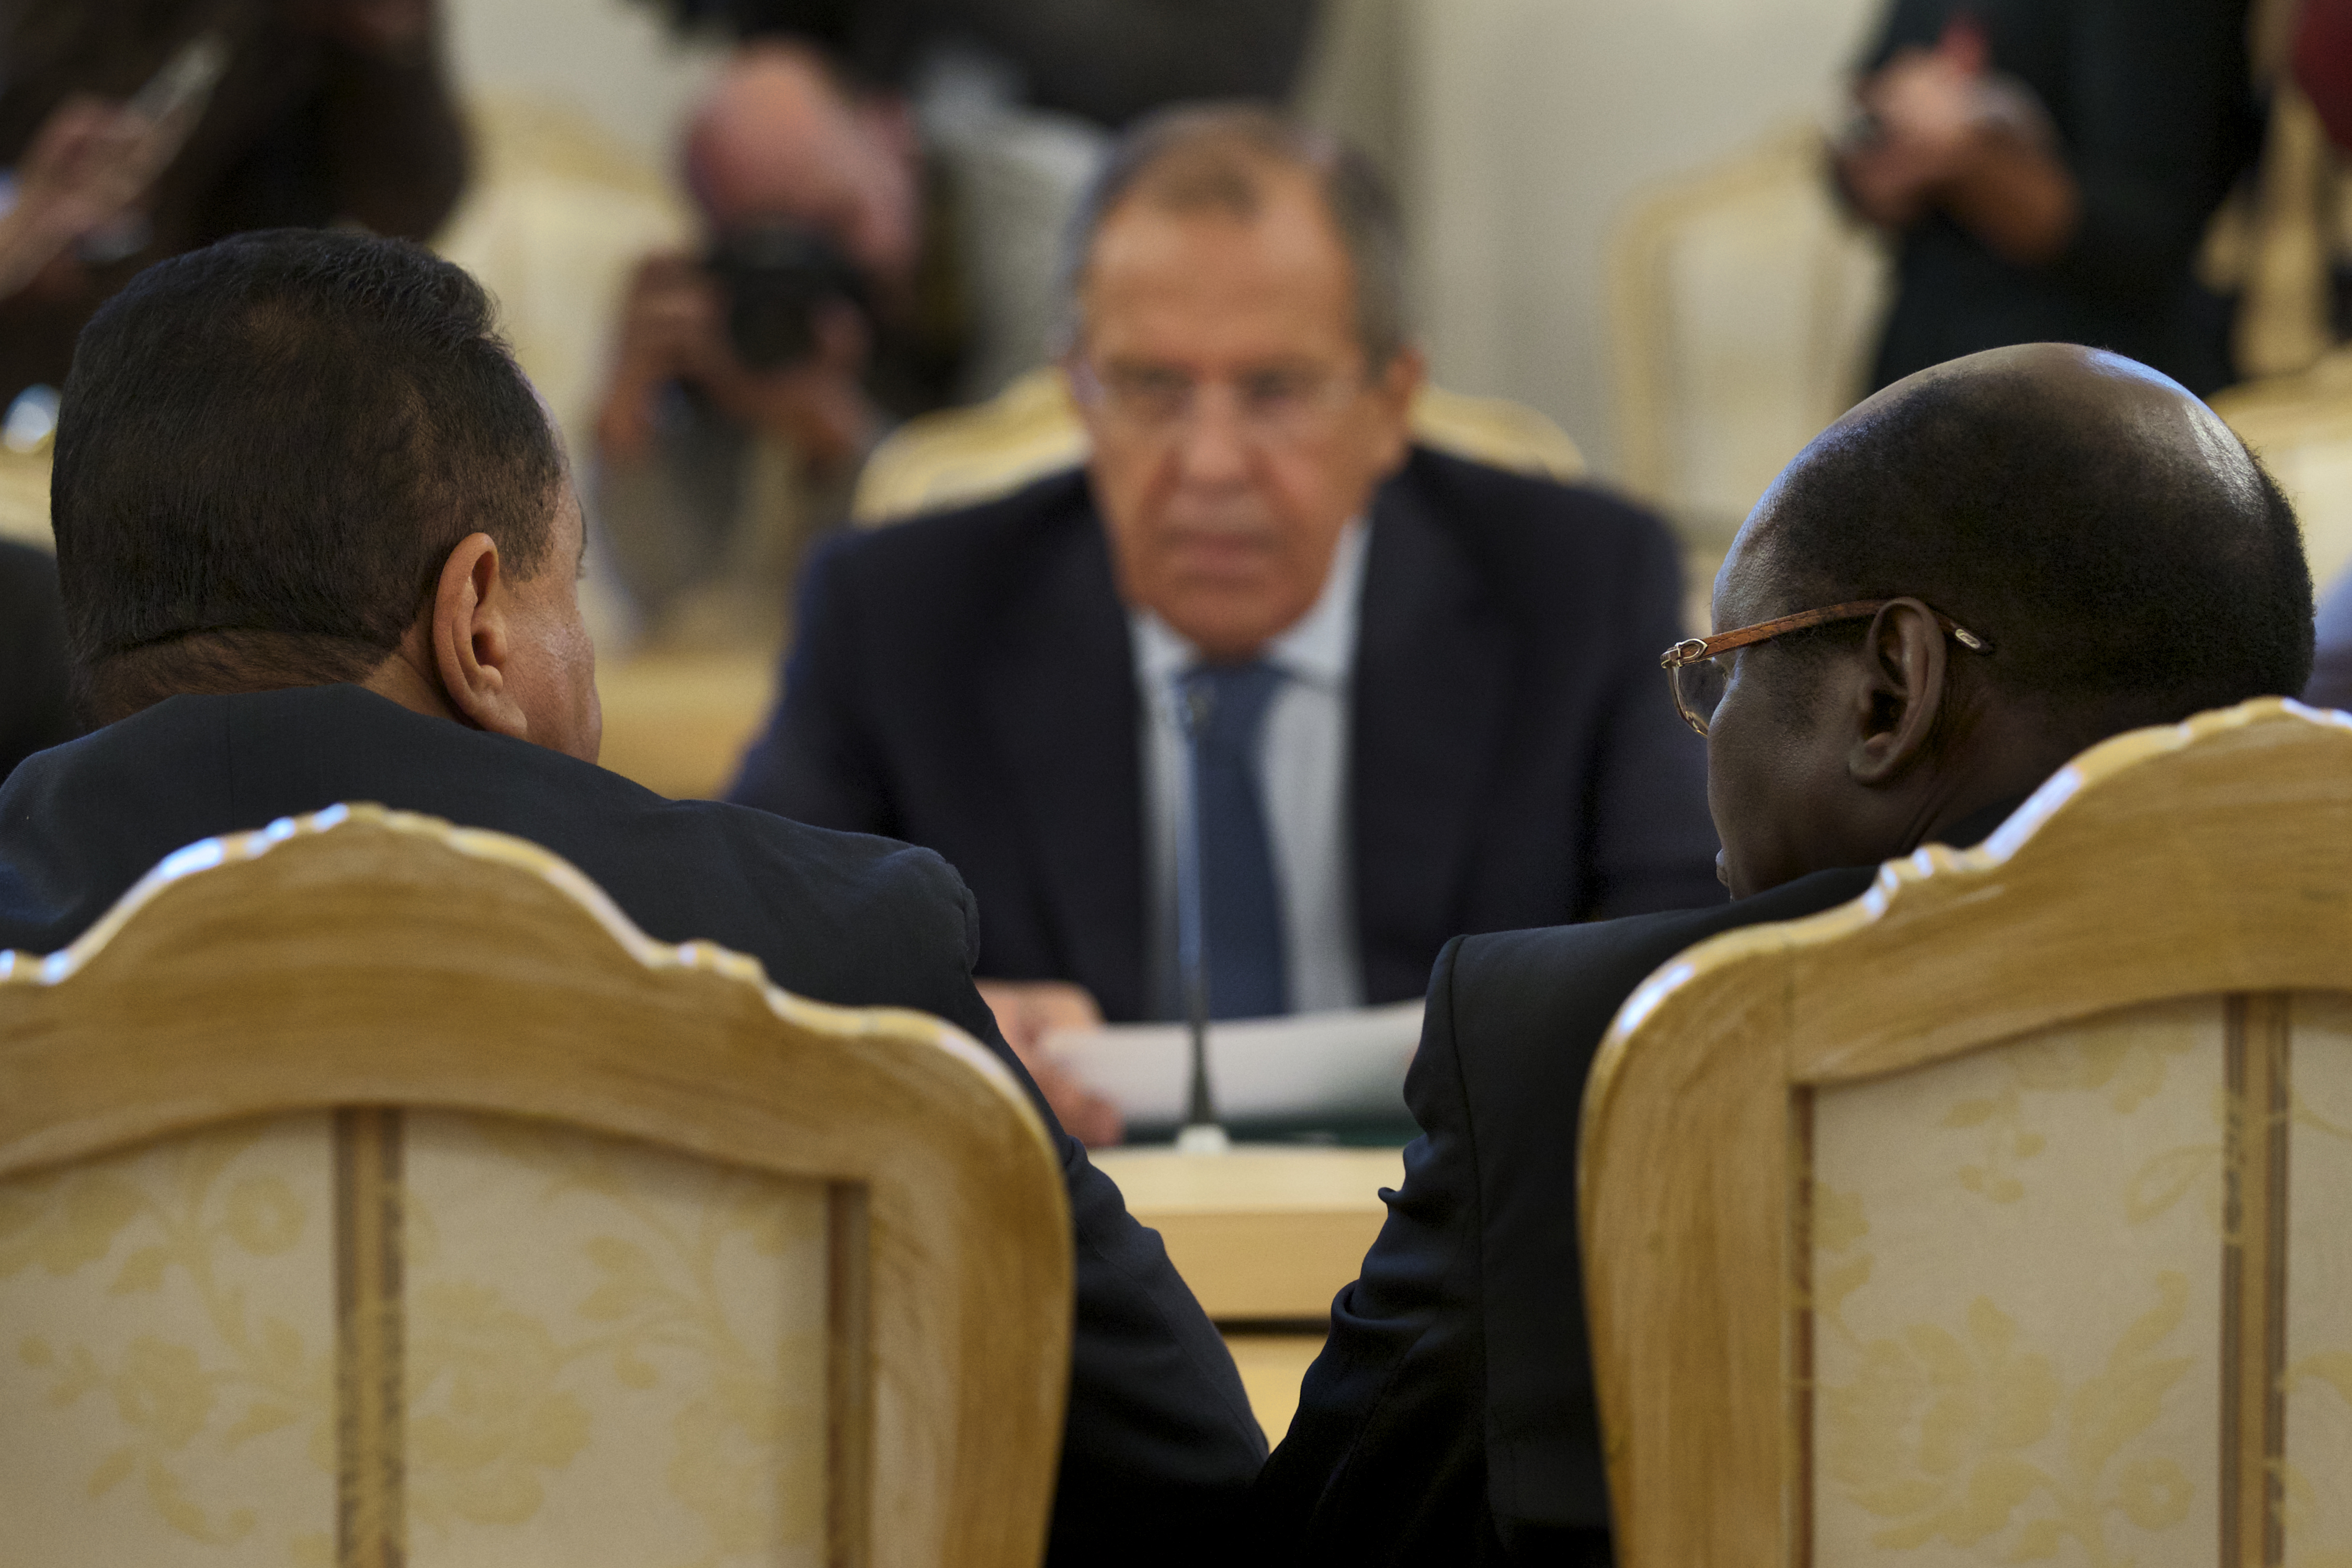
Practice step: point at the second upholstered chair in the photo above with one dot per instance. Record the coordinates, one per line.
(1998, 1215)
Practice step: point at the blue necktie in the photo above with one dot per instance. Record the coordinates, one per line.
(1241, 908)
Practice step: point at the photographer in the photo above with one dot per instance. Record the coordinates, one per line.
(749, 381)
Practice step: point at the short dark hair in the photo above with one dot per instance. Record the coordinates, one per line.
(2122, 578)
(266, 451)
(1215, 155)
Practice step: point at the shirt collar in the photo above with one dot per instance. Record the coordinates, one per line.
(1317, 648)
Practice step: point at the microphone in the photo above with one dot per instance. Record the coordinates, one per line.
(1201, 1133)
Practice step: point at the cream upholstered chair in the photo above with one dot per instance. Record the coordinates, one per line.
(2301, 427)
(555, 219)
(2000, 1216)
(1743, 306)
(25, 497)
(372, 1192)
(961, 457)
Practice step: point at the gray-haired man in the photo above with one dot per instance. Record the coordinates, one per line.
(1433, 684)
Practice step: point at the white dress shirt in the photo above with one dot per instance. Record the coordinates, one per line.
(1302, 778)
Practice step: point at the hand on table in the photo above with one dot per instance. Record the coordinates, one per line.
(1029, 1010)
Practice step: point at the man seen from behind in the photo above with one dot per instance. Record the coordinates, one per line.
(317, 543)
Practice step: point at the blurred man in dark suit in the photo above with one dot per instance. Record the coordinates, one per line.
(1961, 584)
(1423, 687)
(35, 712)
(318, 544)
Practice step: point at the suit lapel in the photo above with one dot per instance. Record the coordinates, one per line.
(1429, 696)
(1062, 696)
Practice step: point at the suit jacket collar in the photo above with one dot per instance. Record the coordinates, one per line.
(1061, 694)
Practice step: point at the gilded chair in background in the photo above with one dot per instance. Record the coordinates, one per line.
(2000, 1214)
(372, 1192)
(961, 457)
(2301, 427)
(556, 217)
(1743, 305)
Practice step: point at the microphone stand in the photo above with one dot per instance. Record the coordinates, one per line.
(1201, 1133)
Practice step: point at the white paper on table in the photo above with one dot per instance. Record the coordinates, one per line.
(1348, 1066)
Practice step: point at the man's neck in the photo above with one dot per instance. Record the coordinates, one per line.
(404, 679)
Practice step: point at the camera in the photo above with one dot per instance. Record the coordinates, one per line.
(775, 274)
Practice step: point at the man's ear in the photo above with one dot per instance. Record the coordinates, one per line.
(473, 640)
(1900, 693)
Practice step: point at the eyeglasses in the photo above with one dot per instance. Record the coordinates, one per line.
(1273, 406)
(1696, 675)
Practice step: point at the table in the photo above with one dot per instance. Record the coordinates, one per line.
(1265, 1236)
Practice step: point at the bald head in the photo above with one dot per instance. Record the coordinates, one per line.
(2100, 525)
(2114, 554)
(779, 135)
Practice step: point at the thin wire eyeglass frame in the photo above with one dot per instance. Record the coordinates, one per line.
(1691, 652)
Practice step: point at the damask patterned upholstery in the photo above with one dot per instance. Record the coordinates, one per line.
(347, 1219)
(170, 1314)
(1975, 1403)
(611, 1353)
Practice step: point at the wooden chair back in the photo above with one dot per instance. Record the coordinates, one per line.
(372, 1191)
(1998, 1215)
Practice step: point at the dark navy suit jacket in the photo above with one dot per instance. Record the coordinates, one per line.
(966, 682)
(34, 711)
(1451, 1418)
(1159, 1445)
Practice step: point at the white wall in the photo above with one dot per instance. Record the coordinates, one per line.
(1534, 120)
(615, 59)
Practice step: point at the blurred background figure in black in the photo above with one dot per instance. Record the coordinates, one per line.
(1104, 60)
(2048, 168)
(137, 129)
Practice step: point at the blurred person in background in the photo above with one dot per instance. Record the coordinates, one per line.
(749, 381)
(1425, 689)
(2047, 169)
(1106, 61)
(132, 130)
